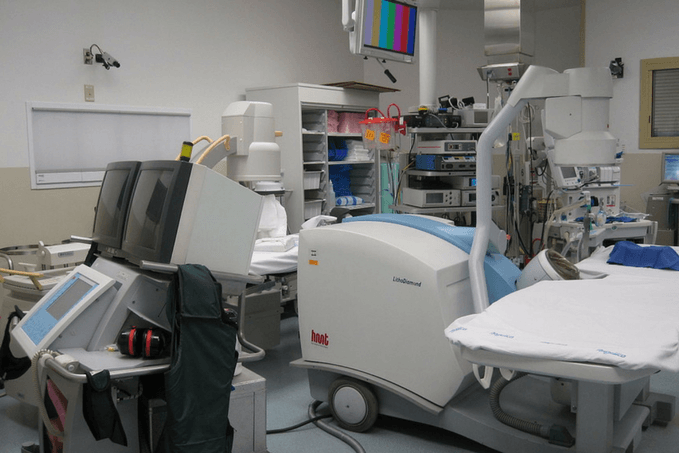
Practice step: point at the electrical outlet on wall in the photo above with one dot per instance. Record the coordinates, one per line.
(89, 93)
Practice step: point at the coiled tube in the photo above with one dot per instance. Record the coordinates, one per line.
(347, 439)
(522, 425)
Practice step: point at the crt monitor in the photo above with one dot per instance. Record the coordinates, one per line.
(670, 168)
(113, 204)
(183, 213)
(153, 217)
(385, 29)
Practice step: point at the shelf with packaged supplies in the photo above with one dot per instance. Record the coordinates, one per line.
(311, 116)
(345, 134)
(445, 130)
(351, 162)
(440, 173)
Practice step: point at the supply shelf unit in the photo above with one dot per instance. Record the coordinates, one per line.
(301, 112)
(433, 133)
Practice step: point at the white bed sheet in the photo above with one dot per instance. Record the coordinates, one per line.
(629, 319)
(269, 262)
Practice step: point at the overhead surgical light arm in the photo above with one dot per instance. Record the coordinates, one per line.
(587, 140)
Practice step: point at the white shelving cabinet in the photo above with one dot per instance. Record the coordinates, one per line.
(301, 113)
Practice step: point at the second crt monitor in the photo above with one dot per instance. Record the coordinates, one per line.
(184, 213)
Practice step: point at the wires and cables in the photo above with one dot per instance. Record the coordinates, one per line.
(513, 213)
(318, 421)
(400, 179)
(392, 167)
(557, 435)
(298, 425)
(544, 217)
(347, 439)
(411, 162)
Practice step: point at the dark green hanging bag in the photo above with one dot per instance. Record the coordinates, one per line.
(198, 384)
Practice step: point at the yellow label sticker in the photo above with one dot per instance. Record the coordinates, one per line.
(313, 262)
(384, 137)
(369, 134)
(516, 136)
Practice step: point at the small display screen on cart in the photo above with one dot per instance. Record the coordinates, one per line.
(436, 197)
(43, 319)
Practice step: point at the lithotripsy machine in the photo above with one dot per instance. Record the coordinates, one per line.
(376, 295)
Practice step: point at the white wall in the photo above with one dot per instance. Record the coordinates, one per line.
(633, 30)
(199, 55)
(461, 50)
(173, 53)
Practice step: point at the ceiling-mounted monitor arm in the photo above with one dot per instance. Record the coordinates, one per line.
(426, 35)
(348, 15)
(426, 44)
(349, 22)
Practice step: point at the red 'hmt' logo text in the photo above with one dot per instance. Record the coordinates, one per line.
(319, 339)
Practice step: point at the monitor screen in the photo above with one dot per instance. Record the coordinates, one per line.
(386, 29)
(44, 325)
(113, 204)
(670, 168)
(46, 317)
(568, 172)
(155, 210)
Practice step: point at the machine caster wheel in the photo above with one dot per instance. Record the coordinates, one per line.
(353, 404)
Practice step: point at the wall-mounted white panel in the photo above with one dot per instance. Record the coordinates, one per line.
(69, 145)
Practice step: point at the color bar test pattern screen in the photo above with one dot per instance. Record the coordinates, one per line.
(390, 25)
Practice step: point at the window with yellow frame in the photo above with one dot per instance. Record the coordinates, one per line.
(659, 103)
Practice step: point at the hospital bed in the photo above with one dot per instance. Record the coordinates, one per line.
(278, 264)
(275, 260)
(603, 337)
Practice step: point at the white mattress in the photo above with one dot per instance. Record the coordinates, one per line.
(267, 263)
(629, 319)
